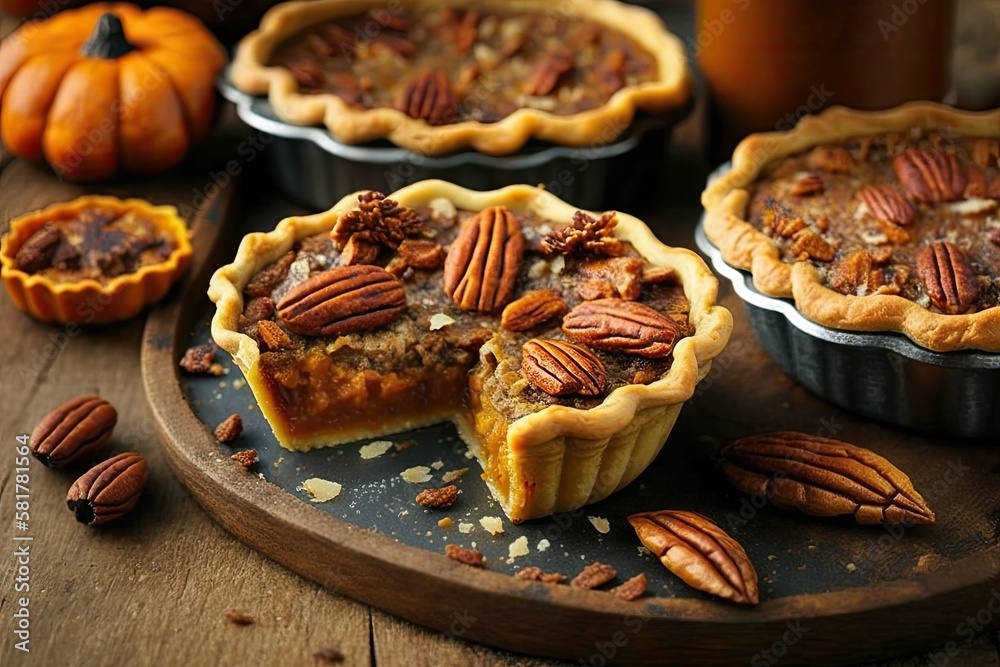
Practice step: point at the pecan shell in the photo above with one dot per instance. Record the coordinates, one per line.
(109, 490)
(823, 477)
(887, 205)
(947, 277)
(75, 431)
(480, 271)
(616, 325)
(703, 555)
(532, 309)
(344, 300)
(429, 98)
(559, 368)
(931, 175)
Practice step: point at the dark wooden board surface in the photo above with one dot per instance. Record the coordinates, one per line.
(913, 585)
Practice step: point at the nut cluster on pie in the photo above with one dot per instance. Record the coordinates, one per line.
(562, 343)
(877, 222)
(93, 260)
(436, 78)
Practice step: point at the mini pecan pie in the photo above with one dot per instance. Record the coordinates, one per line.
(873, 221)
(561, 343)
(93, 260)
(485, 75)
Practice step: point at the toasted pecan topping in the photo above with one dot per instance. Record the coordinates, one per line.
(36, 253)
(549, 69)
(559, 368)
(586, 235)
(947, 277)
(616, 325)
(358, 251)
(480, 272)
(272, 336)
(830, 158)
(429, 98)
(633, 589)
(198, 360)
(624, 274)
(807, 185)
(377, 220)
(887, 204)
(807, 243)
(532, 309)
(268, 278)
(931, 175)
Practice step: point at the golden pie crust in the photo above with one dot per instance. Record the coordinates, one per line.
(727, 199)
(88, 301)
(556, 459)
(351, 125)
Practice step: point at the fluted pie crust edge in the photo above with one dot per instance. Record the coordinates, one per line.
(573, 456)
(350, 125)
(727, 199)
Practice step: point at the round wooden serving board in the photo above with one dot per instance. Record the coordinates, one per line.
(832, 592)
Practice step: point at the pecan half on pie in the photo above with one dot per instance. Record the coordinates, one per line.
(482, 74)
(93, 260)
(562, 343)
(873, 221)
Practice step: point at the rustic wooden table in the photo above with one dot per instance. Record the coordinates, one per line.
(152, 590)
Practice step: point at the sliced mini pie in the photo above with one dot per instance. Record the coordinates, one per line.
(884, 221)
(487, 75)
(562, 343)
(93, 260)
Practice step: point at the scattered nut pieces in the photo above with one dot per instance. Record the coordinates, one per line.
(273, 336)
(198, 360)
(375, 449)
(229, 429)
(632, 589)
(594, 575)
(321, 490)
(416, 474)
(493, 524)
(586, 235)
(535, 574)
(438, 498)
(600, 523)
(237, 617)
(462, 555)
(331, 653)
(246, 457)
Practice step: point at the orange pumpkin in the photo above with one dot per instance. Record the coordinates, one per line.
(107, 87)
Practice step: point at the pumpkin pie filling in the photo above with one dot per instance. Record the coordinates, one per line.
(448, 65)
(93, 243)
(436, 360)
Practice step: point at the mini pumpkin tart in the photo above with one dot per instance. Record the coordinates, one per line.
(877, 221)
(93, 260)
(562, 343)
(434, 77)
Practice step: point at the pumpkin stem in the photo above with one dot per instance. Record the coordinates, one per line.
(108, 39)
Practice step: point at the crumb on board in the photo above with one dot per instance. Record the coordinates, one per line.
(246, 457)
(329, 653)
(600, 523)
(230, 428)
(533, 573)
(465, 527)
(437, 465)
(518, 547)
(462, 555)
(452, 475)
(198, 360)
(445, 522)
(594, 575)
(416, 474)
(493, 524)
(438, 498)
(375, 449)
(237, 617)
(851, 567)
(321, 490)
(543, 544)
(403, 446)
(633, 589)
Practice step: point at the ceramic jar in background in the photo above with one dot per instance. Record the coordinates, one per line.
(768, 62)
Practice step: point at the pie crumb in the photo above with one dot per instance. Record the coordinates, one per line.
(493, 524)
(321, 490)
(600, 523)
(416, 475)
(437, 465)
(543, 545)
(445, 522)
(452, 475)
(465, 527)
(518, 547)
(237, 617)
(440, 321)
(375, 449)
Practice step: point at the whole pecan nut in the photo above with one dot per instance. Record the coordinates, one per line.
(37, 252)
(550, 68)
(559, 368)
(341, 301)
(480, 272)
(703, 555)
(807, 185)
(823, 477)
(109, 490)
(616, 325)
(887, 204)
(931, 175)
(75, 431)
(429, 98)
(532, 309)
(947, 277)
